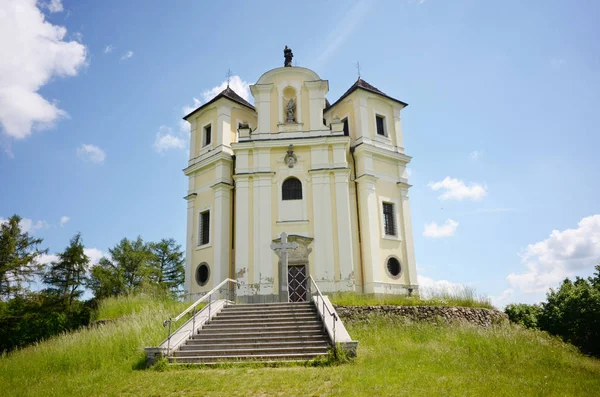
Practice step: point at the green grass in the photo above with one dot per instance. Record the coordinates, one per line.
(394, 358)
(117, 307)
(464, 297)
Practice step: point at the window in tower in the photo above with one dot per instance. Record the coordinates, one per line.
(380, 122)
(346, 128)
(204, 228)
(389, 219)
(207, 135)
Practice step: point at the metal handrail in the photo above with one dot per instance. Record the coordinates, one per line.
(332, 314)
(193, 306)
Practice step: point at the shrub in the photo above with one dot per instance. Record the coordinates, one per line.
(523, 314)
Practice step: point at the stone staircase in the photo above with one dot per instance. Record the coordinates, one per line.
(261, 332)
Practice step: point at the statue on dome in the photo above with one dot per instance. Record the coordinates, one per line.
(287, 54)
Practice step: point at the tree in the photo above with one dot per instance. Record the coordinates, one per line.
(128, 269)
(66, 276)
(168, 265)
(18, 254)
(573, 313)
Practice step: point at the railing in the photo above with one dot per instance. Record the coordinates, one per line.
(325, 307)
(230, 296)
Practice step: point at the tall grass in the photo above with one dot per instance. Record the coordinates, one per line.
(117, 307)
(394, 358)
(464, 297)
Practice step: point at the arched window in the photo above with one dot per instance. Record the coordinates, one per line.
(291, 189)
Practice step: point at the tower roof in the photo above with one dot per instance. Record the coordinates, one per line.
(226, 93)
(360, 83)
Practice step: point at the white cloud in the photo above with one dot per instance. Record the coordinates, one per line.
(28, 225)
(429, 287)
(564, 254)
(476, 155)
(342, 30)
(455, 189)
(166, 140)
(502, 299)
(53, 6)
(33, 52)
(109, 48)
(127, 55)
(91, 153)
(45, 259)
(446, 230)
(93, 253)
(64, 220)
(241, 87)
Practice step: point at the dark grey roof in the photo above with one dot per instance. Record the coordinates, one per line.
(226, 93)
(360, 83)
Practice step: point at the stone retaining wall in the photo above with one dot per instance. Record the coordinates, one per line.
(477, 316)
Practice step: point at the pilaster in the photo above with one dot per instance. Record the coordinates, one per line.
(398, 128)
(222, 225)
(189, 244)
(407, 232)
(342, 208)
(323, 227)
(262, 101)
(369, 221)
(223, 126)
(361, 117)
(262, 269)
(242, 229)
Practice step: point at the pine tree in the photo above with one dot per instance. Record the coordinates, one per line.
(128, 269)
(18, 254)
(66, 276)
(168, 265)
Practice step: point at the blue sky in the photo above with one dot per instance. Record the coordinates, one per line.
(504, 100)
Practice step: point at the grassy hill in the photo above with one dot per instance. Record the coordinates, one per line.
(394, 358)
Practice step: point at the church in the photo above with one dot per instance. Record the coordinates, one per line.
(331, 176)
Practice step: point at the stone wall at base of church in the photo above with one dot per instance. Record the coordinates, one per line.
(472, 315)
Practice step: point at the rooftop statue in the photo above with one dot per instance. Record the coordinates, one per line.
(288, 55)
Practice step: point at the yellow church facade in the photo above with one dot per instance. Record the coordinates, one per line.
(331, 176)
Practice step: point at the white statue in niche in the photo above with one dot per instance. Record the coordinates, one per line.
(291, 110)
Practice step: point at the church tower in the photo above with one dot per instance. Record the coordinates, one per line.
(330, 176)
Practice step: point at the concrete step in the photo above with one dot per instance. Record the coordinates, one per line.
(270, 313)
(291, 337)
(238, 320)
(245, 358)
(252, 351)
(245, 327)
(258, 334)
(254, 345)
(269, 306)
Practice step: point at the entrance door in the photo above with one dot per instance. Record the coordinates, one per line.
(297, 283)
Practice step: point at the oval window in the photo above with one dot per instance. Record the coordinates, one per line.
(202, 274)
(393, 267)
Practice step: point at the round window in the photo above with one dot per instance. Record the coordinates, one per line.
(393, 267)
(202, 274)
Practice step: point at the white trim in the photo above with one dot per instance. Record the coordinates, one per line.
(210, 231)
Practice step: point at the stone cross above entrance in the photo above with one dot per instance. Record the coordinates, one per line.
(283, 247)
